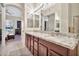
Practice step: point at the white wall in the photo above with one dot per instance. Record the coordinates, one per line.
(68, 11)
(64, 18)
(24, 24)
(74, 11)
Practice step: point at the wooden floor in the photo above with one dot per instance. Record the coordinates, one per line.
(14, 48)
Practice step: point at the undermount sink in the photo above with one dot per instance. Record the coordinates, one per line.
(47, 35)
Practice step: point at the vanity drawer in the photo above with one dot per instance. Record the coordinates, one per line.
(54, 47)
(59, 49)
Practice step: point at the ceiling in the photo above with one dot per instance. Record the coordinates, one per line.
(13, 11)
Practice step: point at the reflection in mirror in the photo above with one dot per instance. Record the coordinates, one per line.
(30, 21)
(49, 21)
(36, 21)
(57, 23)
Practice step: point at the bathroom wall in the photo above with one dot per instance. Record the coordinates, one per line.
(73, 11)
(67, 11)
(64, 18)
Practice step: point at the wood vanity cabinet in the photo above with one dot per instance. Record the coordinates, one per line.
(41, 47)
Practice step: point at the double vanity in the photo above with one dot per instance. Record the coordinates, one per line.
(43, 44)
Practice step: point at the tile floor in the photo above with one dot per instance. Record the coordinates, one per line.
(14, 48)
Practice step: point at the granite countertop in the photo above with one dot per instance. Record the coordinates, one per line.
(66, 42)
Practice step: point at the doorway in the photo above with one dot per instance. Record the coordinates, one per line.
(13, 30)
(18, 29)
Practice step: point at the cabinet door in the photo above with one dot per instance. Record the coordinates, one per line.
(31, 38)
(29, 43)
(43, 51)
(32, 45)
(35, 52)
(27, 39)
(26, 44)
(52, 53)
(35, 48)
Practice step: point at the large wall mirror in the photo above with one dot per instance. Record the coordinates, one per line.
(33, 22)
